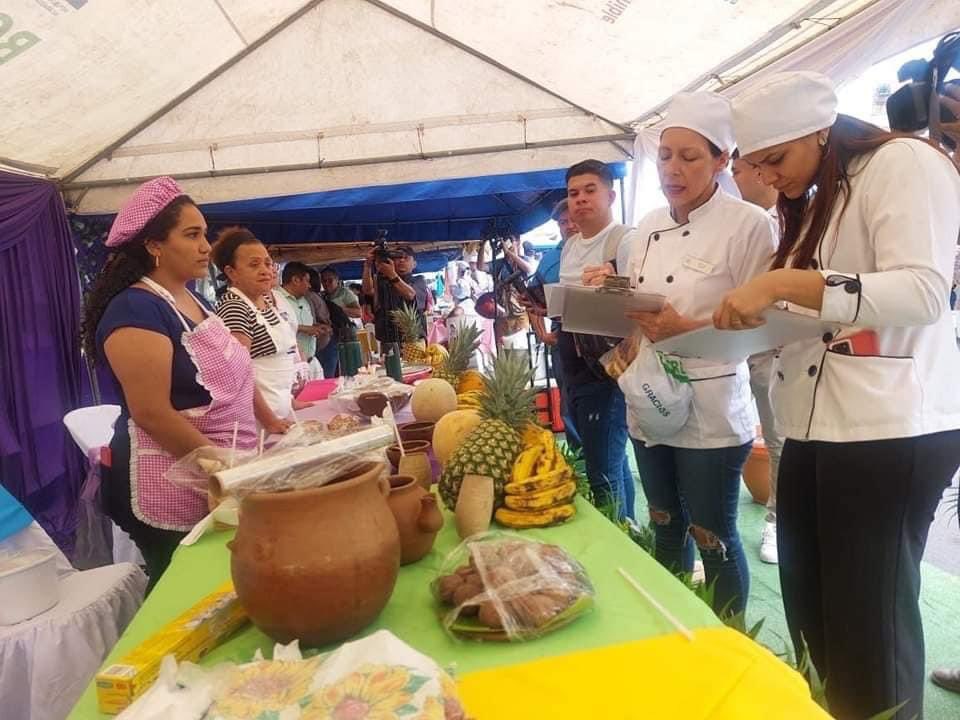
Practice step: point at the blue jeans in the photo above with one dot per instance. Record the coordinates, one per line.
(600, 414)
(329, 358)
(694, 494)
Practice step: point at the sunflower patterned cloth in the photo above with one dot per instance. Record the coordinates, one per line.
(376, 678)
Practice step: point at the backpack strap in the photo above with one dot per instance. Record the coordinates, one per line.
(611, 245)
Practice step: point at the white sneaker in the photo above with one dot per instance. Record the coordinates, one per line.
(699, 575)
(768, 543)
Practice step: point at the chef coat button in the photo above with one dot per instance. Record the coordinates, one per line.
(812, 370)
(669, 278)
(852, 287)
(656, 236)
(827, 337)
(639, 279)
(780, 375)
(814, 265)
(685, 233)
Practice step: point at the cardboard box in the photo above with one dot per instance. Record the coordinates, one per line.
(188, 638)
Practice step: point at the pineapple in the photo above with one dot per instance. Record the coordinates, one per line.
(460, 350)
(413, 350)
(506, 406)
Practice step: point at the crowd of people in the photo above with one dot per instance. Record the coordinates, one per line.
(835, 218)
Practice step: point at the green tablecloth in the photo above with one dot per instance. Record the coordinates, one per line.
(620, 615)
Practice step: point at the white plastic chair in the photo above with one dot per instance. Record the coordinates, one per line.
(91, 429)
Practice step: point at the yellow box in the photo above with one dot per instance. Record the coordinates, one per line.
(188, 638)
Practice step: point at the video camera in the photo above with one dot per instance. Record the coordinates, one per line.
(381, 253)
(529, 288)
(908, 109)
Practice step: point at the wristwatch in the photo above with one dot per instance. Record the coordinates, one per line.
(395, 279)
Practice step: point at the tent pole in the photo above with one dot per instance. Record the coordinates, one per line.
(623, 202)
(429, 155)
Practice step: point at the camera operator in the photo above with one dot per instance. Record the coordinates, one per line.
(510, 329)
(388, 279)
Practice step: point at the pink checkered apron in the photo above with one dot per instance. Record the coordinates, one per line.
(225, 369)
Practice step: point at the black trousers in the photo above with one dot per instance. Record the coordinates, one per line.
(852, 523)
(156, 545)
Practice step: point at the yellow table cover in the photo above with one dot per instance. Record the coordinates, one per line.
(720, 675)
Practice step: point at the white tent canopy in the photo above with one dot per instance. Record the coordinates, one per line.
(244, 98)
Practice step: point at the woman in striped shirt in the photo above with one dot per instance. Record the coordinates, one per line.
(248, 310)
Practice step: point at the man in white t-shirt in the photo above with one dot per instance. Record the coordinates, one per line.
(753, 190)
(596, 403)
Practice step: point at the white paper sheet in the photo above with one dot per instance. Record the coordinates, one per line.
(782, 328)
(595, 312)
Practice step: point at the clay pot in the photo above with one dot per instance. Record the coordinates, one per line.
(418, 466)
(409, 446)
(372, 403)
(417, 515)
(317, 564)
(474, 508)
(417, 431)
(756, 473)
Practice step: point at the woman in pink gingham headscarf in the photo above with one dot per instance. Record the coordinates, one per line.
(186, 383)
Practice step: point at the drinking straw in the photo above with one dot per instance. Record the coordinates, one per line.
(233, 445)
(681, 628)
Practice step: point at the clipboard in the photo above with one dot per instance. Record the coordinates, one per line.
(782, 327)
(599, 310)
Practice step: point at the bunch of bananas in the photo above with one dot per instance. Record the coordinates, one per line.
(541, 487)
(468, 399)
(436, 354)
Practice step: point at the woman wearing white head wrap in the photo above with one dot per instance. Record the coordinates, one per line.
(871, 410)
(705, 243)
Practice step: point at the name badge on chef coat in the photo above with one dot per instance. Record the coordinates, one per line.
(697, 265)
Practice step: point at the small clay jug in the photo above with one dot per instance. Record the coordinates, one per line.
(416, 431)
(474, 508)
(409, 446)
(418, 465)
(317, 564)
(417, 515)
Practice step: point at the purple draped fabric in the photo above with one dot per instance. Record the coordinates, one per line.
(39, 354)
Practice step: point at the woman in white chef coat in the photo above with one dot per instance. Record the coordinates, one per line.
(871, 409)
(704, 244)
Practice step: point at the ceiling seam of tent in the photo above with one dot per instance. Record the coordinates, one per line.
(427, 155)
(760, 62)
(487, 59)
(627, 153)
(45, 171)
(769, 38)
(110, 147)
(267, 138)
(229, 19)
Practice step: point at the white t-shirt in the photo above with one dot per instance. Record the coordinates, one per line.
(579, 252)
